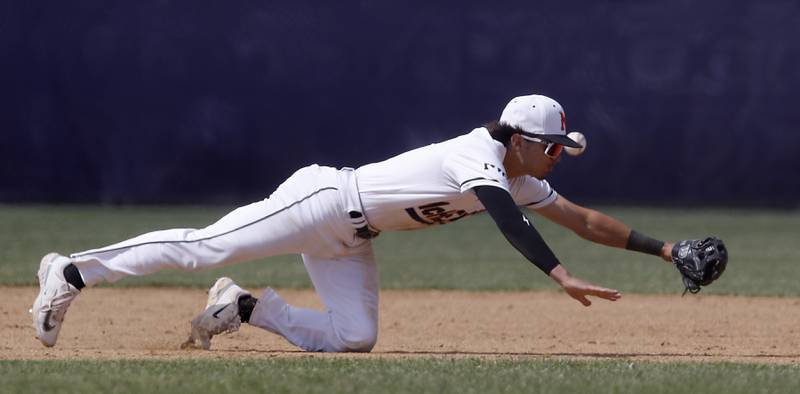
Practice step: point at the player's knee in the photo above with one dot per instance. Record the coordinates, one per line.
(361, 338)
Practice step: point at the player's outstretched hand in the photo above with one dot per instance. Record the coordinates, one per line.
(579, 289)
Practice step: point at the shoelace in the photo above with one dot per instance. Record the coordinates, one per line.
(234, 326)
(227, 327)
(228, 321)
(59, 304)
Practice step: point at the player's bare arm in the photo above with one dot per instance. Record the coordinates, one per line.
(524, 237)
(699, 261)
(594, 226)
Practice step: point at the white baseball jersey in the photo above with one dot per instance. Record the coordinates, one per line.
(430, 185)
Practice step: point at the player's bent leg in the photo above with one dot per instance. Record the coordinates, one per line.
(312, 330)
(305, 328)
(348, 287)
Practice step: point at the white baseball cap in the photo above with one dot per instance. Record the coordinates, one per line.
(538, 117)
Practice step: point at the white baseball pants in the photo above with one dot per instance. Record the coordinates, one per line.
(307, 214)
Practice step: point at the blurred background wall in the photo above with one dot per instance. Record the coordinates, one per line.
(683, 103)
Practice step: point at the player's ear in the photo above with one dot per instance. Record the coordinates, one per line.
(515, 141)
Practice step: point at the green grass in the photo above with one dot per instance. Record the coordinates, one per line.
(469, 254)
(341, 375)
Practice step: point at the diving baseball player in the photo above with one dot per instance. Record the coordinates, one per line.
(330, 215)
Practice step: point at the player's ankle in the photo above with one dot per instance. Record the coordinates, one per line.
(73, 276)
(246, 305)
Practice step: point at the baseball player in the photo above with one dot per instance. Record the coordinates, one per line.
(330, 215)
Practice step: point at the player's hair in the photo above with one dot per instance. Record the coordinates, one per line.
(502, 132)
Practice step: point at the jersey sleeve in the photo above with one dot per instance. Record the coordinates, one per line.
(532, 193)
(469, 169)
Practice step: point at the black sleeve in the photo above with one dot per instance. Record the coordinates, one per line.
(515, 227)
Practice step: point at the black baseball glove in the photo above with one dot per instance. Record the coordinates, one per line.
(700, 261)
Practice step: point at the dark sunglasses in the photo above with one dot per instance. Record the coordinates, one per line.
(551, 150)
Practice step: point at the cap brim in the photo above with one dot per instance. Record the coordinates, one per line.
(557, 138)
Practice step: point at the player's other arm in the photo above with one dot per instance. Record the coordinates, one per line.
(602, 229)
(524, 237)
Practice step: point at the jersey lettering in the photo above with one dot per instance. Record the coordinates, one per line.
(487, 166)
(435, 213)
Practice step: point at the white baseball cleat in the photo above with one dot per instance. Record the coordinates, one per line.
(55, 295)
(220, 316)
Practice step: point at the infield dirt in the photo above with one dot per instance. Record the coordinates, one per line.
(151, 323)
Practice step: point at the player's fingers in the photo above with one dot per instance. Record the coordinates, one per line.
(608, 294)
(582, 299)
